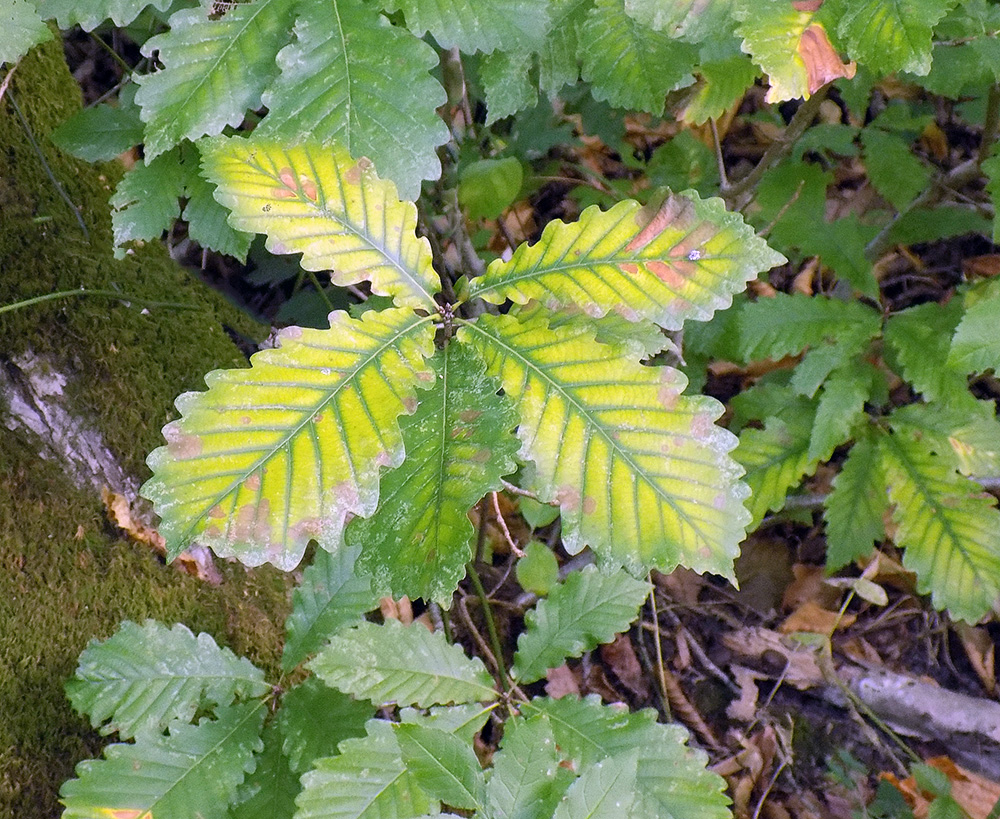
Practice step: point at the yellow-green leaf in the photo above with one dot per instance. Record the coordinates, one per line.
(680, 258)
(278, 454)
(318, 201)
(641, 473)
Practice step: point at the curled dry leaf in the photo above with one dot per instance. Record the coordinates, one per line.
(822, 63)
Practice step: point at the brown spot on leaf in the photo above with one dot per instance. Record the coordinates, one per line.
(807, 5)
(287, 177)
(282, 193)
(631, 268)
(181, 445)
(252, 482)
(481, 456)
(675, 212)
(217, 512)
(568, 498)
(589, 505)
(212, 531)
(308, 188)
(693, 240)
(306, 528)
(246, 420)
(822, 63)
(702, 427)
(410, 405)
(352, 175)
(667, 397)
(665, 273)
(468, 416)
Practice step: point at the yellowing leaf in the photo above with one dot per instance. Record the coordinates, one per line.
(641, 473)
(275, 455)
(683, 258)
(318, 201)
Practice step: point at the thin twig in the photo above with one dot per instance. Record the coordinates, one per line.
(658, 645)
(503, 526)
(991, 123)
(322, 293)
(48, 171)
(101, 294)
(6, 79)
(723, 176)
(491, 627)
(776, 151)
(517, 490)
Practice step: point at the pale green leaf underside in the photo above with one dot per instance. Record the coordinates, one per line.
(89, 15)
(694, 20)
(444, 765)
(525, 778)
(193, 771)
(949, 528)
(605, 790)
(318, 201)
(641, 473)
(366, 780)
(407, 665)
(353, 78)
(628, 64)
(459, 444)
(214, 70)
(332, 594)
(144, 676)
(588, 609)
(477, 25)
(856, 506)
(892, 35)
(278, 454)
(682, 259)
(671, 781)
(22, 28)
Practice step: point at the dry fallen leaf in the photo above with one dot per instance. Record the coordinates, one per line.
(813, 618)
(620, 658)
(561, 682)
(975, 794)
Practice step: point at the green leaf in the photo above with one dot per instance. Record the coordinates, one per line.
(408, 665)
(443, 765)
(100, 133)
(949, 528)
(538, 570)
(354, 79)
(478, 25)
(672, 779)
(336, 212)
(91, 14)
(787, 324)
(145, 203)
(269, 792)
(274, 456)
(975, 346)
(628, 64)
(919, 338)
(193, 771)
(558, 64)
(856, 507)
(789, 42)
(680, 258)
(724, 77)
(967, 430)
(22, 29)
(776, 459)
(332, 594)
(891, 35)
(841, 406)
(692, 20)
(458, 446)
(507, 86)
(526, 780)
(605, 790)
(314, 719)
(486, 188)
(367, 780)
(195, 93)
(585, 610)
(143, 677)
(894, 171)
(464, 721)
(208, 221)
(641, 473)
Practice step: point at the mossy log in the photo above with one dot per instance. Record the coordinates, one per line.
(88, 384)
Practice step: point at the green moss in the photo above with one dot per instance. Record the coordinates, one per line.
(65, 575)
